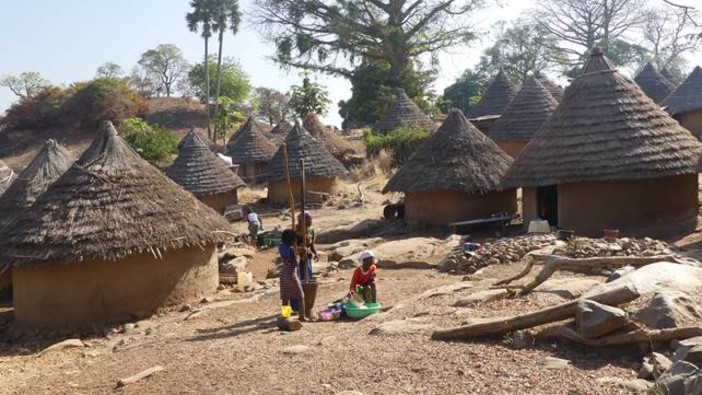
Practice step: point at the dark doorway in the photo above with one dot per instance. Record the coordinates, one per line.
(547, 204)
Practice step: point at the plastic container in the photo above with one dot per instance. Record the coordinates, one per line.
(243, 280)
(358, 313)
(611, 235)
(286, 311)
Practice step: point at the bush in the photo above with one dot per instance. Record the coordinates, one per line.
(152, 142)
(101, 99)
(40, 111)
(402, 142)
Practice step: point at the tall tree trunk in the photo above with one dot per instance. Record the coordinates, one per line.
(207, 88)
(219, 69)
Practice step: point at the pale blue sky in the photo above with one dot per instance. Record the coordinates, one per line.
(69, 39)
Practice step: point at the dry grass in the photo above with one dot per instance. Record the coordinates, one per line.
(374, 171)
(252, 194)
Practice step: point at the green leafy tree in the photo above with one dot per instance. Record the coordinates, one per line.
(466, 91)
(153, 143)
(235, 82)
(200, 20)
(166, 65)
(523, 48)
(309, 97)
(90, 102)
(26, 84)
(402, 142)
(226, 117)
(318, 35)
(226, 16)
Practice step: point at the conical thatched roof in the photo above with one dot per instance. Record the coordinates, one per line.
(319, 163)
(532, 106)
(669, 76)
(496, 98)
(283, 127)
(555, 90)
(200, 172)
(403, 112)
(605, 128)
(686, 97)
(458, 157)
(249, 145)
(186, 139)
(49, 164)
(7, 176)
(335, 144)
(653, 83)
(108, 205)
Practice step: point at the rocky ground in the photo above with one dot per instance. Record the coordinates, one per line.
(228, 344)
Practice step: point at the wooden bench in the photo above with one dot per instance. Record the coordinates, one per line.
(501, 220)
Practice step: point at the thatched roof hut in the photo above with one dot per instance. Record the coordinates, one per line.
(111, 239)
(321, 168)
(608, 139)
(669, 76)
(403, 112)
(204, 175)
(336, 144)
(555, 90)
(46, 167)
(687, 96)
(283, 127)
(7, 176)
(496, 98)
(455, 175)
(251, 150)
(189, 136)
(532, 106)
(653, 83)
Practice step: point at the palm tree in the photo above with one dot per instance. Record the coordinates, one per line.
(226, 17)
(202, 17)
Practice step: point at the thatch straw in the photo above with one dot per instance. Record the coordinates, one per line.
(108, 205)
(555, 90)
(653, 83)
(283, 127)
(49, 164)
(319, 163)
(249, 145)
(403, 112)
(336, 145)
(7, 176)
(605, 128)
(186, 139)
(458, 157)
(496, 98)
(200, 172)
(686, 97)
(532, 106)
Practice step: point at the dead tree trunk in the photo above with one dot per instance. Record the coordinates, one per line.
(634, 337)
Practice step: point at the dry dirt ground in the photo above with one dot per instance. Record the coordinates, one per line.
(229, 345)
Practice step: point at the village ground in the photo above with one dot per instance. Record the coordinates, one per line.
(229, 344)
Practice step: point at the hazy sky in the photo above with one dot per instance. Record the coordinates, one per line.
(69, 39)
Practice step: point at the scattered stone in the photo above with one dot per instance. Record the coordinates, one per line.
(488, 295)
(234, 266)
(139, 376)
(348, 263)
(568, 288)
(593, 319)
(635, 385)
(553, 363)
(402, 327)
(185, 307)
(207, 299)
(522, 339)
(273, 273)
(296, 350)
(619, 273)
(349, 393)
(654, 364)
(68, 343)
(683, 378)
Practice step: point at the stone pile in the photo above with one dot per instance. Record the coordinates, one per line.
(513, 249)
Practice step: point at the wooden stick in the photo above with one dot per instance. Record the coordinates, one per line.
(291, 197)
(139, 376)
(634, 337)
(559, 312)
(303, 222)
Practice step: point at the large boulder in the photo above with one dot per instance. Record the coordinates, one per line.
(350, 248)
(669, 309)
(568, 288)
(593, 319)
(683, 378)
(412, 253)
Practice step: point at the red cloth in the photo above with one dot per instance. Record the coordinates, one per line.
(359, 277)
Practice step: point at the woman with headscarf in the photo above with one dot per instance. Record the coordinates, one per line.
(290, 286)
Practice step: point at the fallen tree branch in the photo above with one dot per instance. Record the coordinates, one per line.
(139, 376)
(555, 263)
(634, 337)
(556, 313)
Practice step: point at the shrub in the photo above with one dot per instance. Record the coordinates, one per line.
(152, 142)
(40, 111)
(402, 142)
(100, 99)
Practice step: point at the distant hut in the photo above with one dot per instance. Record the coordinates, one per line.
(7, 176)
(685, 103)
(653, 83)
(609, 158)
(321, 168)
(455, 175)
(204, 175)
(112, 239)
(282, 128)
(669, 76)
(403, 112)
(494, 101)
(209, 143)
(49, 164)
(532, 106)
(341, 149)
(251, 150)
(555, 90)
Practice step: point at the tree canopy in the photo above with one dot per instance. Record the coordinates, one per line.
(165, 65)
(309, 97)
(26, 84)
(235, 82)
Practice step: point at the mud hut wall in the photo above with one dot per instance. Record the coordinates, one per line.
(445, 207)
(221, 200)
(635, 207)
(278, 191)
(512, 147)
(530, 210)
(80, 294)
(692, 121)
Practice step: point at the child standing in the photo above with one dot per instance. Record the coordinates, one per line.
(363, 278)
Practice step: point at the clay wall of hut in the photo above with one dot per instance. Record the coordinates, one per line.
(441, 208)
(530, 210)
(692, 121)
(252, 172)
(80, 294)
(278, 191)
(221, 200)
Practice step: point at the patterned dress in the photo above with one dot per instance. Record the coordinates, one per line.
(290, 286)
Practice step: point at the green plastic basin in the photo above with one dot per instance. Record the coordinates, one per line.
(353, 312)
